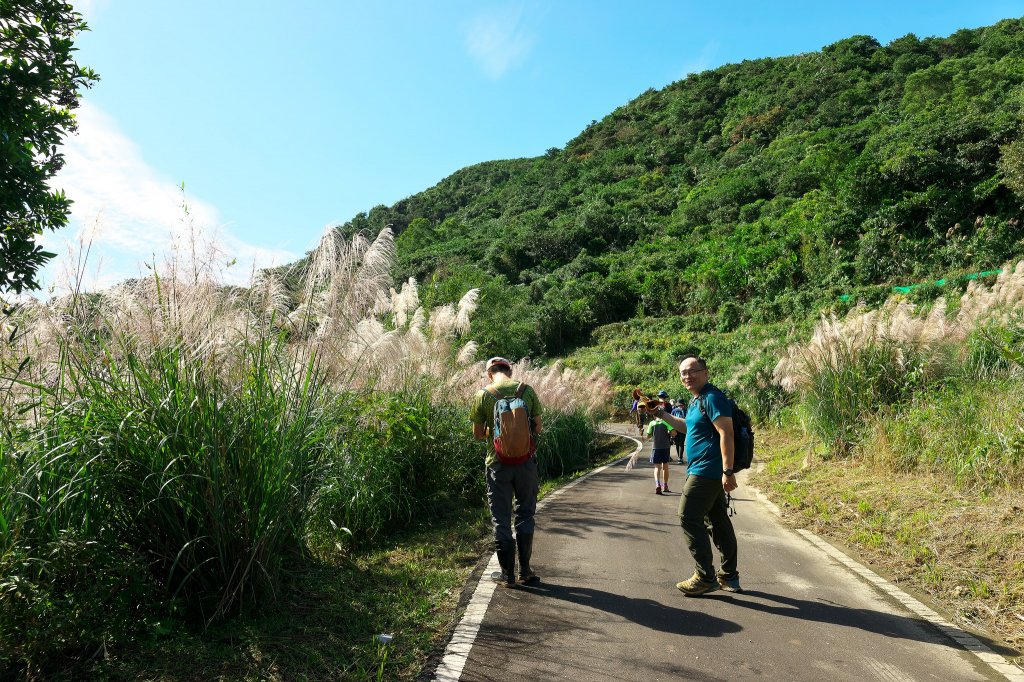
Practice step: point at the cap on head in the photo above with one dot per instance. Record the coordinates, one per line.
(498, 363)
(663, 394)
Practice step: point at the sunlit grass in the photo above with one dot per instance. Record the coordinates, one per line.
(173, 449)
(920, 389)
(961, 543)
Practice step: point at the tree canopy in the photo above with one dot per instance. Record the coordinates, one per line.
(751, 192)
(40, 85)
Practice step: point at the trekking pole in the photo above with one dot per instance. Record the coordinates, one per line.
(729, 505)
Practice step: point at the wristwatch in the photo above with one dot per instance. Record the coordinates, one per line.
(728, 472)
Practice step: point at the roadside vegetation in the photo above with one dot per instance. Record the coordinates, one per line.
(208, 481)
(181, 457)
(905, 439)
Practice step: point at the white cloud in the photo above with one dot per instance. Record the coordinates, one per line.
(90, 8)
(703, 62)
(497, 40)
(131, 215)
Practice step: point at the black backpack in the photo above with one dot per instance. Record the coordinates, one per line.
(743, 435)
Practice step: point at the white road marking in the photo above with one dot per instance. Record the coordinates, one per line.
(457, 652)
(880, 670)
(966, 640)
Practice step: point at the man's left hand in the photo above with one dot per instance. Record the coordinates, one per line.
(729, 482)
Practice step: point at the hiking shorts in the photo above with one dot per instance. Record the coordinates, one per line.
(660, 456)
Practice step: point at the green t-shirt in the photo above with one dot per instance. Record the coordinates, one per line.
(482, 411)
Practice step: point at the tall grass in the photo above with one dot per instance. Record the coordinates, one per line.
(972, 431)
(172, 445)
(400, 458)
(875, 362)
(157, 483)
(565, 443)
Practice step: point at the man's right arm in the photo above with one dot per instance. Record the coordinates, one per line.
(677, 423)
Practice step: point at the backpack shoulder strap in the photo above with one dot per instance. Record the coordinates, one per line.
(521, 389)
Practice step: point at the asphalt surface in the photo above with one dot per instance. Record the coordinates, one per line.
(610, 551)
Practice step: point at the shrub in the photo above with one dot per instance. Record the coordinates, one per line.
(970, 430)
(400, 458)
(67, 598)
(850, 369)
(565, 443)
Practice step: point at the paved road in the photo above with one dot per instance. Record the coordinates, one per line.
(610, 552)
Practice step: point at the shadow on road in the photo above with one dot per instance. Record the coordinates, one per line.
(645, 612)
(818, 611)
(611, 523)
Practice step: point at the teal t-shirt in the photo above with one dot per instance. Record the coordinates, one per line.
(703, 451)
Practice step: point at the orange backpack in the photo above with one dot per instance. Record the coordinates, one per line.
(513, 427)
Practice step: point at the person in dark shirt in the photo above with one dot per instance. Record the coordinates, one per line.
(679, 440)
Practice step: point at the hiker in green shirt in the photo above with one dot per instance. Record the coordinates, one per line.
(661, 433)
(511, 478)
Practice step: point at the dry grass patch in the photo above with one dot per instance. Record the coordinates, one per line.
(964, 547)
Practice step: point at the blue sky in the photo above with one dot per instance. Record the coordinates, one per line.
(282, 118)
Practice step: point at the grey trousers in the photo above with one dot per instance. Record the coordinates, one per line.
(505, 482)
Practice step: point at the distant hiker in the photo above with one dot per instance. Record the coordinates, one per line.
(709, 475)
(634, 412)
(640, 418)
(508, 414)
(661, 444)
(679, 440)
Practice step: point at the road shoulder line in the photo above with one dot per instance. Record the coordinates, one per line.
(457, 652)
(966, 640)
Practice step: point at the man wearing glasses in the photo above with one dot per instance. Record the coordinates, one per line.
(709, 475)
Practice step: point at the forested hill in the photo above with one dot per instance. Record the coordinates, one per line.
(755, 192)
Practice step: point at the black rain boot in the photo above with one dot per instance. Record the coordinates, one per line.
(506, 550)
(524, 542)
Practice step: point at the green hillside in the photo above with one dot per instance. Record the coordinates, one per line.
(756, 192)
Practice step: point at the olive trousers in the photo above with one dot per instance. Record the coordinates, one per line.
(704, 498)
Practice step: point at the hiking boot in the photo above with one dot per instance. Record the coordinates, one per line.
(657, 490)
(524, 543)
(506, 551)
(730, 584)
(696, 586)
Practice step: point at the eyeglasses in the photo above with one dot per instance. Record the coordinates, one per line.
(690, 373)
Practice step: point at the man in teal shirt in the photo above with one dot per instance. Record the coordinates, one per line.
(505, 481)
(710, 449)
